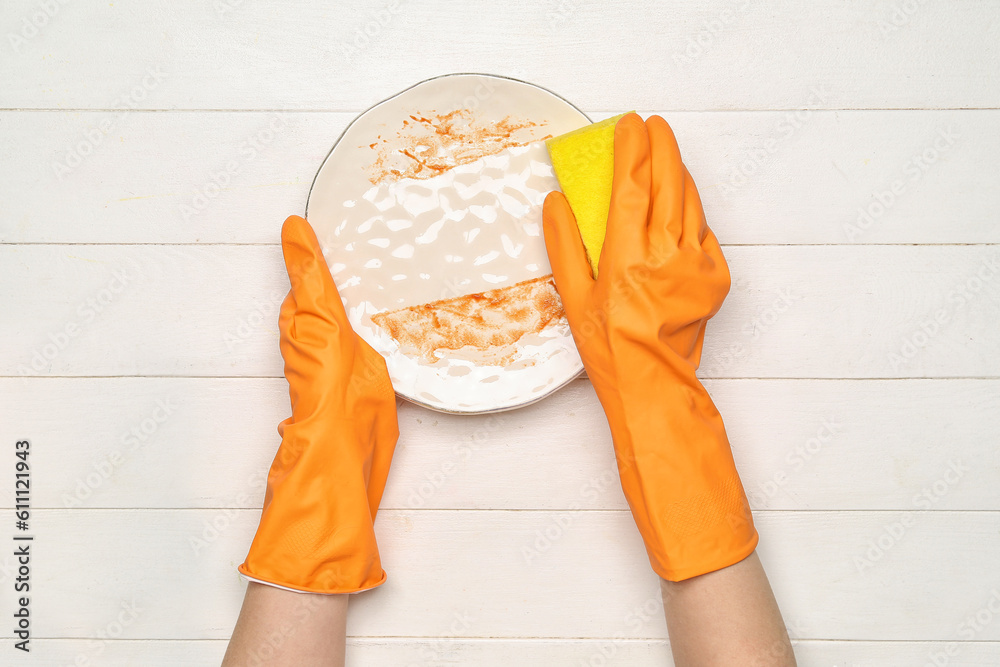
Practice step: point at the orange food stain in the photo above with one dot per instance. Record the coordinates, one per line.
(490, 321)
(435, 143)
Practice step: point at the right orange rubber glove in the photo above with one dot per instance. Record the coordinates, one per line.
(639, 328)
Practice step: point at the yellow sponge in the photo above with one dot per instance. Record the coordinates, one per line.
(584, 164)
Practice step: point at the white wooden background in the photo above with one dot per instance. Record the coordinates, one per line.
(857, 366)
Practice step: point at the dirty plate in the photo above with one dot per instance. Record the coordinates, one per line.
(429, 212)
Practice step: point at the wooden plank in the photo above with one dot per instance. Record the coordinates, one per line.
(110, 442)
(149, 179)
(876, 311)
(412, 651)
(124, 652)
(514, 574)
(794, 311)
(607, 56)
(645, 653)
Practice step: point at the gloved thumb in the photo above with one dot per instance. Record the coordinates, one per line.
(313, 289)
(566, 252)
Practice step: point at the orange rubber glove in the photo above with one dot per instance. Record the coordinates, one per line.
(640, 328)
(323, 489)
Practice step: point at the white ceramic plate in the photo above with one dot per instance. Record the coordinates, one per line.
(432, 196)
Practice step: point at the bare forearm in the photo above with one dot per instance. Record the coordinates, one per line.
(278, 628)
(728, 617)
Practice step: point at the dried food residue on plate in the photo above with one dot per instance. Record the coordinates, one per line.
(483, 327)
(429, 144)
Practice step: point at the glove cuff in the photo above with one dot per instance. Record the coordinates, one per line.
(321, 584)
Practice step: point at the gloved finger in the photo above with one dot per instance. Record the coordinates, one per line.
(567, 255)
(668, 176)
(626, 239)
(313, 290)
(379, 401)
(720, 279)
(698, 345)
(286, 313)
(693, 226)
(698, 238)
(386, 434)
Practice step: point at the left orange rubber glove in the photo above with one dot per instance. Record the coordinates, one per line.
(316, 533)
